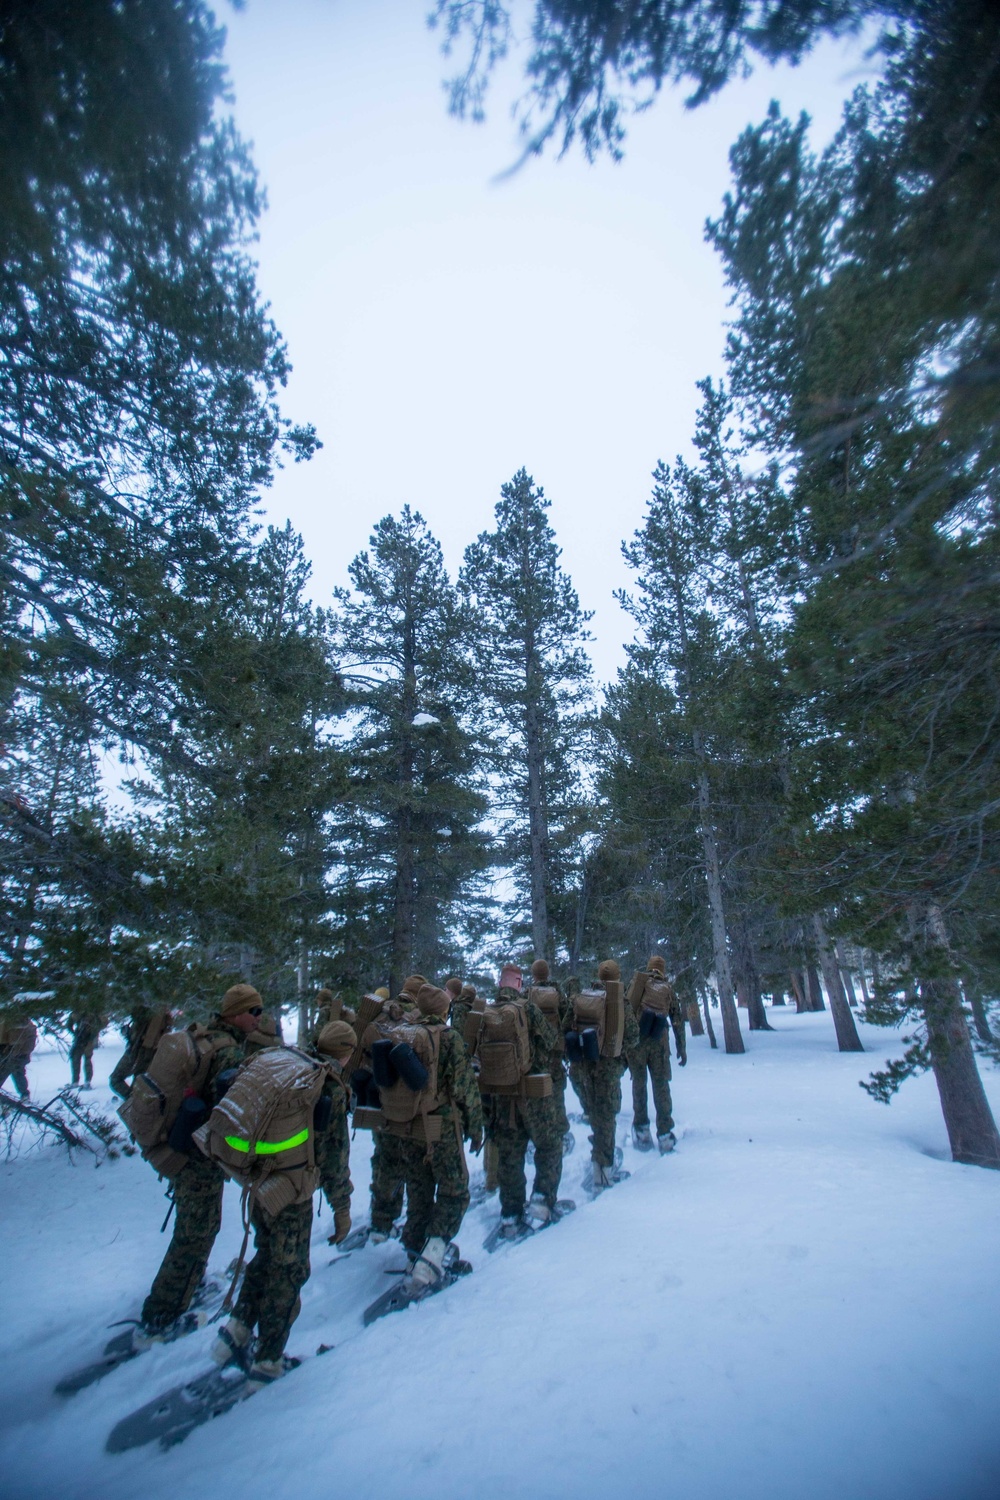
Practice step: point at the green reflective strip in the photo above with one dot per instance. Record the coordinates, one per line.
(268, 1148)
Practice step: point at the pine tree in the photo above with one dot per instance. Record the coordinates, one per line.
(410, 844)
(534, 676)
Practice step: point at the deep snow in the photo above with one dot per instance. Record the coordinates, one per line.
(801, 1302)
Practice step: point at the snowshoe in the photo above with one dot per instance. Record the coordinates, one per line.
(404, 1294)
(666, 1142)
(128, 1345)
(569, 1143)
(169, 1418)
(642, 1140)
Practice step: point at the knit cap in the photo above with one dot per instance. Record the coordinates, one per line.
(656, 965)
(336, 1039)
(453, 986)
(540, 970)
(412, 986)
(433, 1002)
(609, 970)
(238, 999)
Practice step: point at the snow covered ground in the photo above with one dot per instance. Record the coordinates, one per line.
(801, 1304)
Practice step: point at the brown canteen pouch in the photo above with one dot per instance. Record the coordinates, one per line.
(366, 1118)
(531, 1086)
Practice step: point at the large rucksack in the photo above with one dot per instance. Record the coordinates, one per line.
(546, 997)
(179, 1069)
(405, 1055)
(651, 996)
(262, 1134)
(598, 1023)
(500, 1038)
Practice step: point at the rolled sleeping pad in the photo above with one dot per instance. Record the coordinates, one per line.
(659, 1027)
(364, 1086)
(574, 1049)
(409, 1067)
(322, 1112)
(647, 1023)
(224, 1083)
(384, 1073)
(590, 1042)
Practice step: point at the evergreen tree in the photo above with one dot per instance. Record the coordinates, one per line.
(535, 680)
(410, 845)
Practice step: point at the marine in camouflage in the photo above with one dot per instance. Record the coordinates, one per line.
(388, 1181)
(333, 1148)
(599, 1085)
(651, 1056)
(197, 1195)
(512, 1123)
(437, 1182)
(269, 1297)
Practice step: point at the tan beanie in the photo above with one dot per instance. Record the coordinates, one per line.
(468, 992)
(382, 993)
(413, 985)
(324, 997)
(540, 970)
(238, 1000)
(433, 1002)
(656, 965)
(454, 986)
(337, 1039)
(609, 970)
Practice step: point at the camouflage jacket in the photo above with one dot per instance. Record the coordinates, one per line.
(456, 1080)
(225, 1058)
(333, 1145)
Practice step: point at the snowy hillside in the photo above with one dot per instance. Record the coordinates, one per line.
(802, 1302)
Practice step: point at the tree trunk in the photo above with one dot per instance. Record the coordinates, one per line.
(708, 1021)
(758, 1015)
(301, 979)
(405, 893)
(538, 832)
(723, 974)
(777, 997)
(974, 995)
(741, 996)
(694, 1018)
(863, 978)
(843, 1021)
(972, 1130)
(815, 989)
(799, 991)
(845, 973)
(583, 900)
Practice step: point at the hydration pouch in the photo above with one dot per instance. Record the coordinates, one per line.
(407, 1066)
(192, 1113)
(590, 1042)
(365, 1092)
(574, 1047)
(384, 1073)
(322, 1113)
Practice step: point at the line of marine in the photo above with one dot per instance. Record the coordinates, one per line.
(426, 1072)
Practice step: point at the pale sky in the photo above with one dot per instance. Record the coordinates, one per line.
(446, 329)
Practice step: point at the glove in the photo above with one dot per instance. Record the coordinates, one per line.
(341, 1225)
(683, 1059)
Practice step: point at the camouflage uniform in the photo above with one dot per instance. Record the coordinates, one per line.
(437, 1191)
(86, 1034)
(269, 1297)
(603, 1084)
(388, 1161)
(512, 1123)
(652, 1055)
(197, 1195)
(17, 1042)
(333, 1148)
(136, 1058)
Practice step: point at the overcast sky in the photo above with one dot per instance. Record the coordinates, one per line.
(446, 329)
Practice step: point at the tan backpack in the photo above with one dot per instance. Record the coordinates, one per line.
(546, 997)
(262, 1133)
(504, 1048)
(405, 1056)
(179, 1067)
(602, 1011)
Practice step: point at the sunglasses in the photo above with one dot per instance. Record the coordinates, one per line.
(256, 1010)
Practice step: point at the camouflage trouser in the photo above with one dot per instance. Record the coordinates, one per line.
(579, 1077)
(437, 1191)
(13, 1066)
(653, 1055)
(82, 1053)
(559, 1096)
(512, 1123)
(269, 1298)
(388, 1180)
(604, 1089)
(197, 1219)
